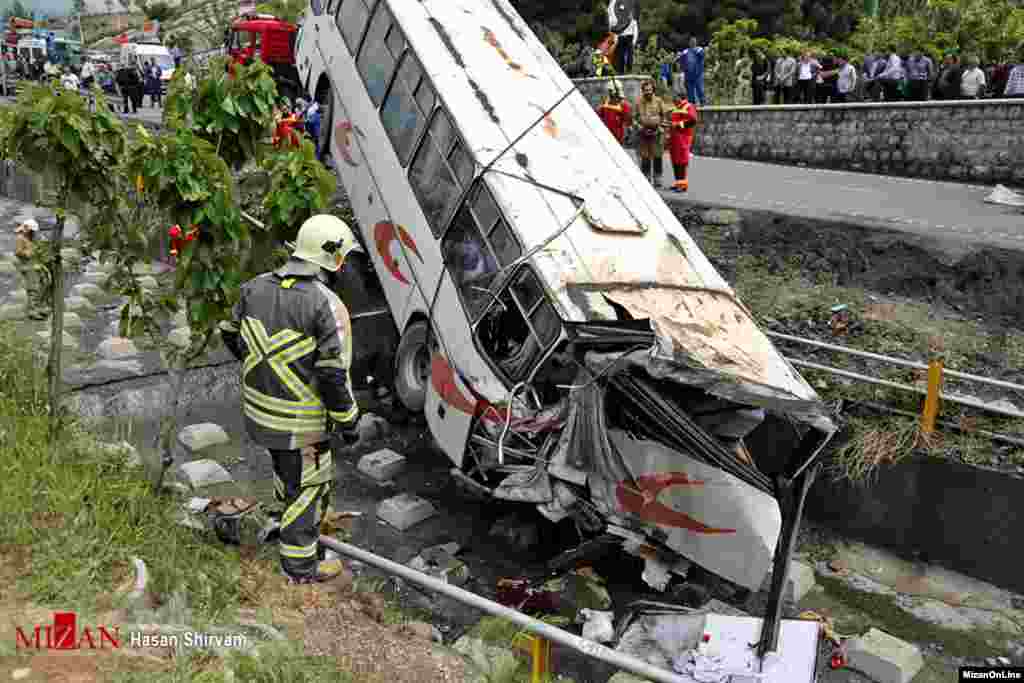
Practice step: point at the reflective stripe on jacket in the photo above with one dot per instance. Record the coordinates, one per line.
(293, 336)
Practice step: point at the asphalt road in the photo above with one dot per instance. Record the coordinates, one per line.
(952, 211)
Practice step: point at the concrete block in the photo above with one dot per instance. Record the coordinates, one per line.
(405, 511)
(197, 437)
(78, 304)
(884, 658)
(117, 348)
(201, 473)
(87, 290)
(382, 465)
(180, 337)
(148, 282)
(440, 562)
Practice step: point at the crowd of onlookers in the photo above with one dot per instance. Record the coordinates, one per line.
(891, 77)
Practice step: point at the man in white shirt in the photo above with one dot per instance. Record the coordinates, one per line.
(622, 21)
(1015, 81)
(785, 80)
(846, 80)
(807, 78)
(892, 78)
(69, 81)
(88, 72)
(972, 83)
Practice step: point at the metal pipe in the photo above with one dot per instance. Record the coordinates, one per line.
(587, 647)
(980, 405)
(896, 361)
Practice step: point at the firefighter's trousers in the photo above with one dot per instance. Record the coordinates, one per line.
(304, 484)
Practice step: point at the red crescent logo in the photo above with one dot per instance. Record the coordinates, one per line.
(383, 235)
(343, 130)
(644, 503)
(442, 377)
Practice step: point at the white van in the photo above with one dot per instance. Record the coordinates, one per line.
(31, 49)
(568, 342)
(137, 54)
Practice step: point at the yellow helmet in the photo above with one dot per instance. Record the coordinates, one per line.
(325, 240)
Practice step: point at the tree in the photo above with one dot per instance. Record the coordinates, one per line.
(187, 171)
(287, 10)
(53, 133)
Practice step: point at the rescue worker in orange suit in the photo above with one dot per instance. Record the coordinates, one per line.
(293, 335)
(680, 139)
(652, 118)
(616, 112)
(284, 132)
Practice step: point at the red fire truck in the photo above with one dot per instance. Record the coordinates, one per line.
(269, 39)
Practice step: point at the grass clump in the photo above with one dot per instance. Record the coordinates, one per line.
(872, 443)
(77, 516)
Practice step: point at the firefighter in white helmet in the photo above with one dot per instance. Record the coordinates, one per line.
(294, 338)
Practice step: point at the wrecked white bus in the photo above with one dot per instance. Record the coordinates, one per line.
(568, 342)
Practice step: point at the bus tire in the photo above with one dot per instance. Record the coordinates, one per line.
(412, 366)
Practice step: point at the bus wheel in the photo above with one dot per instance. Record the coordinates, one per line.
(412, 367)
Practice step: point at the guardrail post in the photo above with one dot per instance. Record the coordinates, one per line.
(540, 649)
(932, 400)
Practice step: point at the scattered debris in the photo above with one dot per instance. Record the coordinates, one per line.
(884, 658)
(202, 473)
(597, 625)
(405, 510)
(381, 465)
(201, 436)
(440, 562)
(520, 534)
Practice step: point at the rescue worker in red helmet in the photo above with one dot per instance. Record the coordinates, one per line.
(294, 338)
(680, 139)
(616, 112)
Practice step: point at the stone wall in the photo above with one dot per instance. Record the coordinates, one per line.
(978, 141)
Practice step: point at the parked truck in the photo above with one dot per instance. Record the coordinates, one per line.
(272, 41)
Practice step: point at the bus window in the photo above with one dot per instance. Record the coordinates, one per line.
(401, 114)
(376, 61)
(515, 335)
(351, 20)
(462, 164)
(434, 183)
(470, 263)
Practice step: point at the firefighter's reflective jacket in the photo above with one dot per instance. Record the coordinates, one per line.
(293, 336)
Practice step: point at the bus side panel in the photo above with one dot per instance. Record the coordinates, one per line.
(328, 55)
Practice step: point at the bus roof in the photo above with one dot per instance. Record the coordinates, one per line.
(497, 79)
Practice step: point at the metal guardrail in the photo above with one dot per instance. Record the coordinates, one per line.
(933, 390)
